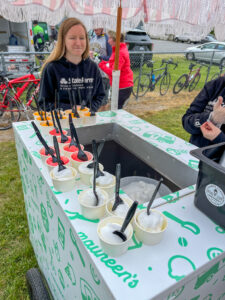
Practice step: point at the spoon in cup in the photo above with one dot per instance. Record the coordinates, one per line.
(153, 196)
(94, 147)
(99, 150)
(94, 185)
(81, 154)
(118, 200)
(126, 221)
(64, 138)
(73, 142)
(75, 106)
(59, 161)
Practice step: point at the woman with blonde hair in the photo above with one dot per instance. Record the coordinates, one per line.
(69, 68)
(126, 74)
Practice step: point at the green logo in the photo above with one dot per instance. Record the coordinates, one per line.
(213, 252)
(176, 151)
(94, 275)
(206, 276)
(61, 279)
(56, 250)
(44, 217)
(160, 137)
(61, 233)
(70, 273)
(193, 164)
(87, 291)
(182, 242)
(175, 293)
(36, 154)
(49, 208)
(179, 266)
(22, 127)
(107, 114)
(73, 239)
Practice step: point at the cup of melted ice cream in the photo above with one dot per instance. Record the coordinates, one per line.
(87, 202)
(65, 180)
(43, 154)
(111, 243)
(106, 182)
(149, 229)
(86, 173)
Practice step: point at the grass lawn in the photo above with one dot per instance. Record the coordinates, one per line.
(16, 252)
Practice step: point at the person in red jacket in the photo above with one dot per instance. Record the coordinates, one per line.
(126, 74)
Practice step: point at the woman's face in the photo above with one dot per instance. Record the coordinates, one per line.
(111, 41)
(75, 41)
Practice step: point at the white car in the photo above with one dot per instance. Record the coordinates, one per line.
(205, 52)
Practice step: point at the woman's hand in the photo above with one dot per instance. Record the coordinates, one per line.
(218, 114)
(210, 131)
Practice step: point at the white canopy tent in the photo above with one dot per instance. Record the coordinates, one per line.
(161, 17)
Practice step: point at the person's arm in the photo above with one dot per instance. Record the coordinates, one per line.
(195, 116)
(108, 67)
(99, 92)
(48, 86)
(212, 133)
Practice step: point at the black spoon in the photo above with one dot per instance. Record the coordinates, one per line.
(126, 221)
(56, 146)
(38, 108)
(75, 106)
(48, 150)
(153, 196)
(99, 150)
(58, 104)
(45, 112)
(64, 138)
(53, 120)
(73, 142)
(94, 147)
(82, 102)
(71, 101)
(94, 185)
(118, 200)
(81, 154)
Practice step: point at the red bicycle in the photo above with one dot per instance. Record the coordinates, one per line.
(12, 97)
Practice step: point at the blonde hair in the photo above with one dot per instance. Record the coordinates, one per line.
(112, 35)
(60, 48)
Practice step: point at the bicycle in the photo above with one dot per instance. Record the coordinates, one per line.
(11, 105)
(188, 80)
(148, 81)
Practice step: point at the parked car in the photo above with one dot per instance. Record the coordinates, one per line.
(138, 40)
(208, 38)
(186, 38)
(204, 52)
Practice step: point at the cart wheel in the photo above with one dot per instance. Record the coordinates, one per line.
(36, 286)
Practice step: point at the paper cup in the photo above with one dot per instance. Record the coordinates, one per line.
(61, 145)
(110, 188)
(83, 111)
(52, 133)
(64, 185)
(75, 161)
(67, 151)
(109, 206)
(45, 128)
(88, 119)
(43, 155)
(85, 173)
(93, 212)
(111, 249)
(147, 237)
(50, 165)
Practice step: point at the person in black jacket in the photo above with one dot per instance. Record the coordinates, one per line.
(69, 68)
(206, 112)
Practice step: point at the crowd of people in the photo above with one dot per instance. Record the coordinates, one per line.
(72, 66)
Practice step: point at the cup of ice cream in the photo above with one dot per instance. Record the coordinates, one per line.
(86, 173)
(88, 206)
(112, 244)
(61, 145)
(37, 115)
(150, 229)
(75, 161)
(88, 119)
(65, 180)
(43, 154)
(122, 209)
(51, 165)
(83, 111)
(106, 182)
(45, 127)
(67, 150)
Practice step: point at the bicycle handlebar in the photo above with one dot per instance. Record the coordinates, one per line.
(169, 62)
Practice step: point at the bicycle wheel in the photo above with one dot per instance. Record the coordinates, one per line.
(32, 93)
(9, 114)
(143, 86)
(180, 83)
(194, 82)
(165, 84)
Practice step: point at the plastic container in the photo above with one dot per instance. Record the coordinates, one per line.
(210, 187)
(135, 181)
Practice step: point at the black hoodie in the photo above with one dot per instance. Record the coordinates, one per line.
(62, 75)
(198, 112)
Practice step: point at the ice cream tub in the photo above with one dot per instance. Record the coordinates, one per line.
(121, 209)
(64, 184)
(111, 243)
(150, 235)
(86, 173)
(106, 183)
(75, 161)
(51, 165)
(87, 202)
